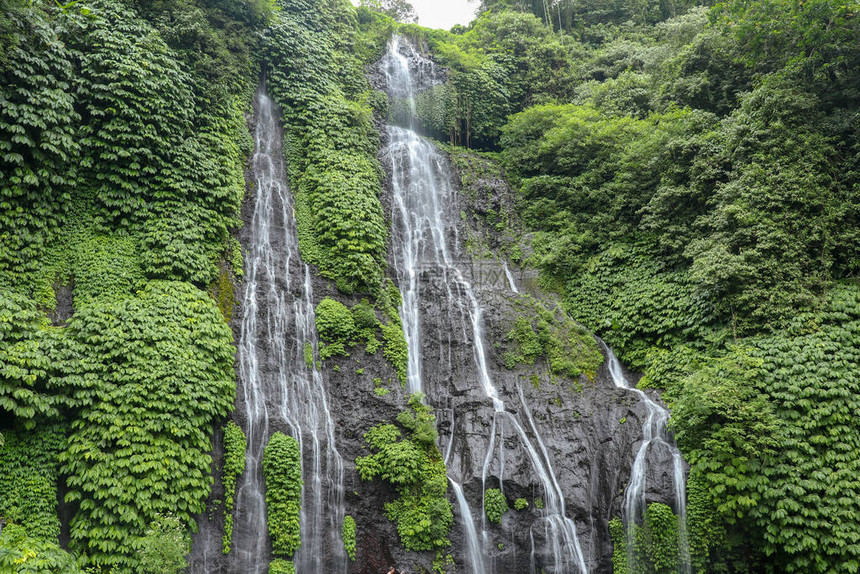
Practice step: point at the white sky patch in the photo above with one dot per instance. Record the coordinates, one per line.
(443, 13)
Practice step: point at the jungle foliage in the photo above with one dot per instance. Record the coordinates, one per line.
(414, 467)
(688, 174)
(692, 190)
(122, 150)
(331, 144)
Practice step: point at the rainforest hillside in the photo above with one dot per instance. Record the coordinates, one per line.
(686, 181)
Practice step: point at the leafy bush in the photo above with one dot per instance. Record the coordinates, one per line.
(347, 534)
(495, 505)
(235, 444)
(414, 467)
(151, 373)
(281, 566)
(283, 472)
(340, 327)
(335, 327)
(521, 504)
(163, 548)
(23, 554)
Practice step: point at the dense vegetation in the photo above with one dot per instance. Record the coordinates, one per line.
(655, 543)
(413, 466)
(689, 176)
(123, 139)
(331, 142)
(341, 328)
(235, 443)
(282, 468)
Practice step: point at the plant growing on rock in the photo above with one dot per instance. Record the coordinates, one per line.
(495, 505)
(414, 467)
(283, 473)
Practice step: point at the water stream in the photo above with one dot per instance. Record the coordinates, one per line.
(280, 391)
(425, 217)
(654, 432)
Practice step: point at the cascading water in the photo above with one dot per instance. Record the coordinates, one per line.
(281, 390)
(425, 218)
(653, 433)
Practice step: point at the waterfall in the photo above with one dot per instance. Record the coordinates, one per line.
(653, 432)
(425, 216)
(280, 391)
(510, 277)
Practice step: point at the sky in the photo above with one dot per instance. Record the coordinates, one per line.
(443, 13)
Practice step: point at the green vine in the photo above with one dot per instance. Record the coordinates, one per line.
(235, 444)
(347, 533)
(283, 473)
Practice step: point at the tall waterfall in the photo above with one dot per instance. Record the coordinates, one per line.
(424, 216)
(653, 433)
(280, 390)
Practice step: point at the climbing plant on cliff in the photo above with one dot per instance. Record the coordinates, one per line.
(332, 164)
(413, 466)
(283, 472)
(235, 444)
(152, 374)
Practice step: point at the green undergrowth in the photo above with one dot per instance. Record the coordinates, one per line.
(283, 473)
(164, 547)
(411, 465)
(281, 566)
(25, 554)
(341, 328)
(537, 332)
(331, 153)
(235, 444)
(656, 543)
(122, 151)
(347, 534)
(495, 505)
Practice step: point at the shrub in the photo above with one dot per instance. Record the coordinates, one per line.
(414, 467)
(163, 548)
(281, 566)
(335, 327)
(495, 505)
(283, 473)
